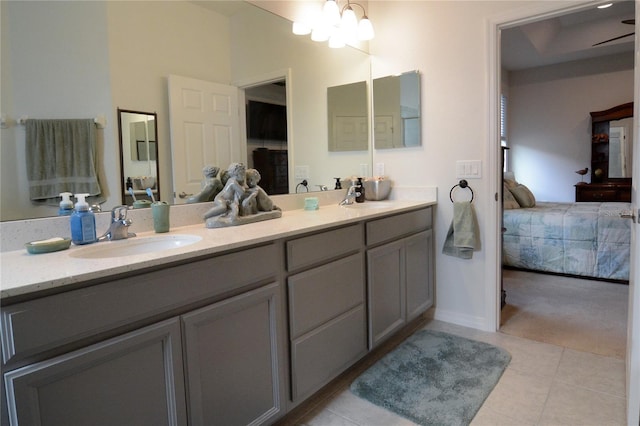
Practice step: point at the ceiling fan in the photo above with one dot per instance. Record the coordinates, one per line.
(626, 21)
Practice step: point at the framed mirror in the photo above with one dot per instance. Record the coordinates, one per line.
(612, 144)
(396, 111)
(348, 117)
(137, 133)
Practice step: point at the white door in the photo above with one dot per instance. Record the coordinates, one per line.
(205, 130)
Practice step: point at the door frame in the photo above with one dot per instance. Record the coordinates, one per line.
(532, 13)
(259, 80)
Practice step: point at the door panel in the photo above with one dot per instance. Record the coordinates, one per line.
(205, 130)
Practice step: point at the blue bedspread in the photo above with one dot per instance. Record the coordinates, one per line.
(588, 239)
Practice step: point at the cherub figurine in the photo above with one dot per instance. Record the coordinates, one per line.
(256, 199)
(228, 200)
(212, 186)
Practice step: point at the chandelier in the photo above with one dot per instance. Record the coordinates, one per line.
(337, 26)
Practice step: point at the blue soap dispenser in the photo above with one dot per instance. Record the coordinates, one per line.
(66, 205)
(83, 222)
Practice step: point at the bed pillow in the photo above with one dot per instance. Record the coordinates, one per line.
(523, 196)
(508, 202)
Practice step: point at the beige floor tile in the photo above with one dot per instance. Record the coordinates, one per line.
(570, 405)
(326, 418)
(591, 371)
(486, 416)
(362, 412)
(520, 396)
(531, 357)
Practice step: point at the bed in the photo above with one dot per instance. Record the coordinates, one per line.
(583, 239)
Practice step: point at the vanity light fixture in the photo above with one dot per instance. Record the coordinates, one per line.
(337, 26)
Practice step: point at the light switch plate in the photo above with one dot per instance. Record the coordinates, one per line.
(302, 172)
(469, 169)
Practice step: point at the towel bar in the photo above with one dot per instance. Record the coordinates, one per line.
(100, 120)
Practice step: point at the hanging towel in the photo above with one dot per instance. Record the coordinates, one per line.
(463, 237)
(61, 157)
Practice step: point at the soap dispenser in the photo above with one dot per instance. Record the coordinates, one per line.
(360, 190)
(66, 205)
(83, 222)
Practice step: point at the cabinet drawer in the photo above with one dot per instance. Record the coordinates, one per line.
(43, 324)
(323, 293)
(313, 249)
(321, 355)
(390, 228)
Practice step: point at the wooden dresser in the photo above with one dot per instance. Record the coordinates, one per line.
(609, 191)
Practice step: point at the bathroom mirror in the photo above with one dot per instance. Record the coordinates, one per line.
(137, 133)
(348, 117)
(396, 109)
(93, 67)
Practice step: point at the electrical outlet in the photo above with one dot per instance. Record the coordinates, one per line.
(302, 172)
(379, 169)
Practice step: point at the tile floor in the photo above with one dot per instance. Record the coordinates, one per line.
(543, 385)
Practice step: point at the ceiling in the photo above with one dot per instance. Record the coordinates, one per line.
(568, 37)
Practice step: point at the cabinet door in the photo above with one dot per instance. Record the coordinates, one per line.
(233, 360)
(419, 273)
(134, 379)
(386, 285)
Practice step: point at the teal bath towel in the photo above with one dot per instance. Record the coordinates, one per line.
(463, 237)
(61, 157)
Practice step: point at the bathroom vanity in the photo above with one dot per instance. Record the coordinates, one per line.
(238, 328)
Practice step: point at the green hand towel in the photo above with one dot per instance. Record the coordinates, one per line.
(463, 237)
(61, 157)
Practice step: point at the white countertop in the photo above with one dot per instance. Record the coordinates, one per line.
(23, 273)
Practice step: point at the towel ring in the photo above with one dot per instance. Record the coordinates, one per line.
(462, 184)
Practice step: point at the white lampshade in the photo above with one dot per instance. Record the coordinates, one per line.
(301, 29)
(320, 33)
(331, 12)
(365, 29)
(336, 41)
(349, 25)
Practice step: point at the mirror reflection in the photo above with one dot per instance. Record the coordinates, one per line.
(396, 109)
(348, 117)
(620, 148)
(92, 67)
(139, 152)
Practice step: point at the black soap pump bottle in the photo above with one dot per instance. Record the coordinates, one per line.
(338, 185)
(360, 190)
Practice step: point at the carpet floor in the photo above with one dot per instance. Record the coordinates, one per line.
(434, 378)
(585, 315)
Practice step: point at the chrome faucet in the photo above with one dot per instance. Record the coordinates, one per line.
(119, 227)
(351, 196)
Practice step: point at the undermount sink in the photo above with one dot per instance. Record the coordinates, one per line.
(368, 205)
(134, 246)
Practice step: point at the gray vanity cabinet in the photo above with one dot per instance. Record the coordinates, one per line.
(233, 360)
(327, 315)
(133, 379)
(399, 272)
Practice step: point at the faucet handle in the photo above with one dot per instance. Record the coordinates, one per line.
(121, 211)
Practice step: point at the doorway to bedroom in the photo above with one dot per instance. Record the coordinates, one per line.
(555, 71)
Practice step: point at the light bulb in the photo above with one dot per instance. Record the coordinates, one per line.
(349, 24)
(336, 41)
(301, 29)
(331, 12)
(365, 29)
(320, 33)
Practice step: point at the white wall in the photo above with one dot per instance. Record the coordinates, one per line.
(549, 121)
(49, 72)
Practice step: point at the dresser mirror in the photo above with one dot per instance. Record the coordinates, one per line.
(612, 144)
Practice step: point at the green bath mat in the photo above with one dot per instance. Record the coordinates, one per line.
(434, 378)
